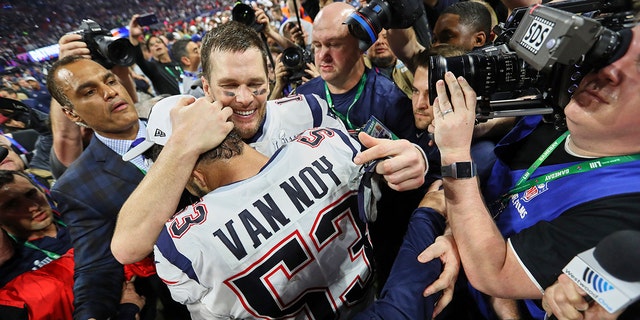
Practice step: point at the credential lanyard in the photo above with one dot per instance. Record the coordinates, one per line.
(173, 74)
(345, 118)
(30, 245)
(525, 183)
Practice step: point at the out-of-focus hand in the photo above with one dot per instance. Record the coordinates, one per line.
(444, 248)
(434, 198)
(280, 70)
(565, 300)
(312, 71)
(261, 17)
(404, 167)
(72, 44)
(135, 30)
(298, 35)
(454, 118)
(190, 118)
(129, 295)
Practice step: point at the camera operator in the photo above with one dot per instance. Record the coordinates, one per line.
(583, 183)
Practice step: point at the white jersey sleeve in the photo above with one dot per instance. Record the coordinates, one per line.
(288, 117)
(290, 242)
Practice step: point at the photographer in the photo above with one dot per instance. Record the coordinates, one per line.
(552, 194)
(297, 67)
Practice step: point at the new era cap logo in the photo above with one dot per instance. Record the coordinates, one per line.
(159, 133)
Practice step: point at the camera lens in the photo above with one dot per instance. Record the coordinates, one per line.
(366, 23)
(121, 52)
(118, 51)
(244, 14)
(292, 57)
(485, 73)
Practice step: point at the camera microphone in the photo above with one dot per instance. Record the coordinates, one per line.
(610, 272)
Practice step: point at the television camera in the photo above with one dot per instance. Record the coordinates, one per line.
(541, 52)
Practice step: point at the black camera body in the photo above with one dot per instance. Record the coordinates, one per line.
(105, 49)
(542, 51)
(295, 60)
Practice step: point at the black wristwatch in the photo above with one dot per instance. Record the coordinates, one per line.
(460, 170)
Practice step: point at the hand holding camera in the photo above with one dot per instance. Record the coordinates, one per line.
(71, 44)
(103, 47)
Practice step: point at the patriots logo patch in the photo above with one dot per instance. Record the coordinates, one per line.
(159, 133)
(534, 191)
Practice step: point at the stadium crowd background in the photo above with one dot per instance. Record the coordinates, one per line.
(29, 25)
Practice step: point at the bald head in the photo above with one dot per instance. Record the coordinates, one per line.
(332, 16)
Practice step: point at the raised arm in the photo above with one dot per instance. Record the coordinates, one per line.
(154, 201)
(490, 264)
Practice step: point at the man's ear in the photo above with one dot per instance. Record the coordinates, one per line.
(71, 114)
(206, 87)
(479, 39)
(197, 184)
(185, 61)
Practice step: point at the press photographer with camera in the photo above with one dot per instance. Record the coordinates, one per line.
(553, 193)
(294, 65)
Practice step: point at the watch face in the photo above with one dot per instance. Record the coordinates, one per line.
(464, 170)
(459, 170)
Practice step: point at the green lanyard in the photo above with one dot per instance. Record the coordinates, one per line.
(178, 78)
(30, 245)
(525, 183)
(358, 93)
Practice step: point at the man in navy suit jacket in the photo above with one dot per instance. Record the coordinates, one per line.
(92, 190)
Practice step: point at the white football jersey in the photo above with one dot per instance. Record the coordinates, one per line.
(288, 117)
(288, 243)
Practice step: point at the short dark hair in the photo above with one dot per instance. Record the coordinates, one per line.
(146, 43)
(54, 89)
(8, 176)
(179, 49)
(230, 147)
(7, 89)
(472, 14)
(232, 36)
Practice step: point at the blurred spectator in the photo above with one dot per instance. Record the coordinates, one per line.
(6, 92)
(40, 94)
(36, 239)
(164, 73)
(380, 58)
(187, 52)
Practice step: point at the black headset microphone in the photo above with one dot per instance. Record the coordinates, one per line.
(610, 272)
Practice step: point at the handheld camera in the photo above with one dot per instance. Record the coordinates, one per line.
(106, 49)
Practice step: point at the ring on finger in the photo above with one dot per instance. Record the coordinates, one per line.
(446, 112)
